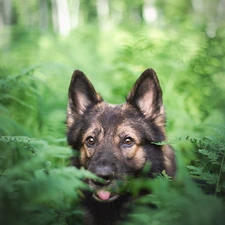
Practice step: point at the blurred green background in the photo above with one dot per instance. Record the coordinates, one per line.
(113, 42)
(43, 41)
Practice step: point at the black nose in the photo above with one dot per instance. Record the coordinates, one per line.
(106, 173)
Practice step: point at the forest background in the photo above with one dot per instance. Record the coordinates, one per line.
(43, 41)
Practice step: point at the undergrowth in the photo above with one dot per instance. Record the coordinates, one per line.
(38, 185)
(209, 167)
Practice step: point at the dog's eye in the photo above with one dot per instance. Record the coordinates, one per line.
(90, 141)
(128, 142)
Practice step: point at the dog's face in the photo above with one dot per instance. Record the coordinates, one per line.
(118, 140)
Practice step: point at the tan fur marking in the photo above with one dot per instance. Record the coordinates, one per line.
(125, 128)
(131, 152)
(83, 156)
(139, 158)
(160, 121)
(86, 152)
(135, 153)
(99, 97)
(169, 160)
(90, 132)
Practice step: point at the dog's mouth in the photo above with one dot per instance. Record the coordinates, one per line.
(104, 193)
(105, 196)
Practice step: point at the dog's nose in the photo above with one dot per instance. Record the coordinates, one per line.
(106, 173)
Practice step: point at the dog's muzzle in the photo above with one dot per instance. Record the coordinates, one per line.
(104, 191)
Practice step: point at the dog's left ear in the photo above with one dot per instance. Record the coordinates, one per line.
(82, 96)
(146, 95)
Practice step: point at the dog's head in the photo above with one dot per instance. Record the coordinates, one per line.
(117, 140)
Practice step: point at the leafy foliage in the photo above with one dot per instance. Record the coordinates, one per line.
(38, 187)
(179, 202)
(210, 166)
(37, 184)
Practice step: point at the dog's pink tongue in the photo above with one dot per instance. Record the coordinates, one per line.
(104, 195)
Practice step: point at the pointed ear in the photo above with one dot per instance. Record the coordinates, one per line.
(82, 95)
(146, 94)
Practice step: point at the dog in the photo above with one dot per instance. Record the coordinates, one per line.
(115, 141)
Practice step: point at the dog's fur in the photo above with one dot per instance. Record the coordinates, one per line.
(116, 140)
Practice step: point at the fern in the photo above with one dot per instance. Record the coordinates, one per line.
(178, 202)
(40, 187)
(211, 162)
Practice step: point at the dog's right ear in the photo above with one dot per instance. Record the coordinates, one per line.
(146, 95)
(82, 95)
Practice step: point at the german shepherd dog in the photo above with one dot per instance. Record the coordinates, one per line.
(115, 141)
